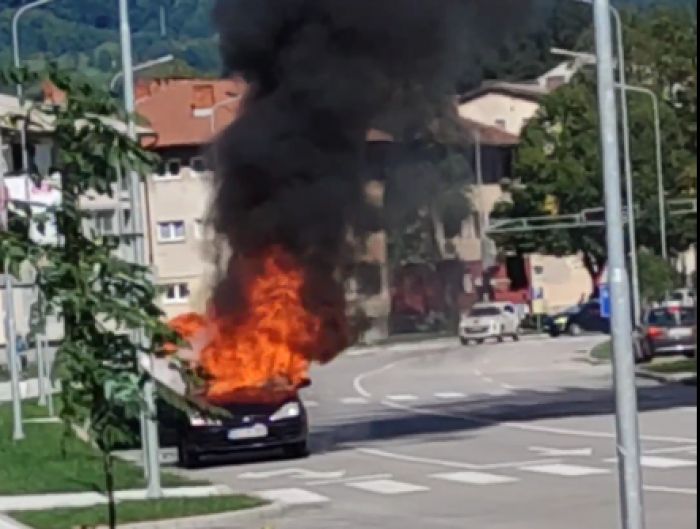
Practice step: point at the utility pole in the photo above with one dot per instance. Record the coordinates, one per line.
(150, 442)
(628, 444)
(10, 329)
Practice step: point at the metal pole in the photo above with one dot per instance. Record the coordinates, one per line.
(628, 446)
(629, 183)
(150, 440)
(659, 161)
(140, 67)
(482, 216)
(12, 360)
(40, 360)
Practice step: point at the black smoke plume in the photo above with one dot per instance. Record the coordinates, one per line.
(322, 73)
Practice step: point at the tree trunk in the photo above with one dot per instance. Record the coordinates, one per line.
(595, 266)
(108, 462)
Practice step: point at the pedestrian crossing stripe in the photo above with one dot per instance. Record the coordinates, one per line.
(387, 487)
(568, 471)
(475, 478)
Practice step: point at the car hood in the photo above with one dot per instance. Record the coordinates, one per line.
(255, 401)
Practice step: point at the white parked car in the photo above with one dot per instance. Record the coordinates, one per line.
(489, 320)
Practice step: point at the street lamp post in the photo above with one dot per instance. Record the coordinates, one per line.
(217, 106)
(140, 67)
(659, 160)
(626, 142)
(17, 62)
(627, 419)
(150, 442)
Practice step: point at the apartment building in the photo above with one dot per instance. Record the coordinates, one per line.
(185, 115)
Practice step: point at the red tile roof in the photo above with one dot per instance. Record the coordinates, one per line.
(188, 111)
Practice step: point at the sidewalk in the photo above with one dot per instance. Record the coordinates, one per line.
(42, 502)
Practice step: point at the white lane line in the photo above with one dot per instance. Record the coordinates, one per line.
(295, 473)
(475, 478)
(447, 463)
(292, 497)
(387, 487)
(567, 471)
(671, 490)
(359, 381)
(450, 395)
(662, 463)
(354, 401)
(348, 480)
(510, 387)
(402, 398)
(531, 427)
(359, 387)
(562, 452)
(674, 450)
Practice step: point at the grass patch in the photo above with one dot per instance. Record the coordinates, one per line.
(602, 352)
(135, 511)
(44, 462)
(677, 367)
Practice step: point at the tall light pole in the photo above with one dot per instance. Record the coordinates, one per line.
(626, 142)
(659, 161)
(150, 442)
(140, 67)
(216, 107)
(17, 62)
(628, 444)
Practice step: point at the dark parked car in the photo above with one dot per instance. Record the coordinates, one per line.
(667, 331)
(578, 320)
(257, 420)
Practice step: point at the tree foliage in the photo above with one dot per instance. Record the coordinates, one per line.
(559, 163)
(104, 302)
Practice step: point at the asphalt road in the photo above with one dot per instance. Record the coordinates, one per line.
(509, 436)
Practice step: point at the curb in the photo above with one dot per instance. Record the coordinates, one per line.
(9, 523)
(676, 378)
(219, 521)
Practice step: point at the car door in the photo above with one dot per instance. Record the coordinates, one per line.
(591, 319)
(510, 319)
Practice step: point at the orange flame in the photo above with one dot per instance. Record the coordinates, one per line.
(272, 344)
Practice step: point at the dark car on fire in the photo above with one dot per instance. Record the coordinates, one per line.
(249, 420)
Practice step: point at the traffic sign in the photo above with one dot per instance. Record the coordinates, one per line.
(605, 301)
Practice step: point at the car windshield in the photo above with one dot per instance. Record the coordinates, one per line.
(479, 312)
(671, 318)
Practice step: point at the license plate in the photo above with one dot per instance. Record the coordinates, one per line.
(680, 333)
(258, 431)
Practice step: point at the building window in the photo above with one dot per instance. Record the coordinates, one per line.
(176, 293)
(539, 270)
(198, 164)
(168, 170)
(173, 231)
(502, 124)
(103, 222)
(199, 229)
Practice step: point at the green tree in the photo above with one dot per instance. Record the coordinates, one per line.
(103, 301)
(559, 164)
(656, 277)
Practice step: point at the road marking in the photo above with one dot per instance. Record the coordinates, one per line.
(387, 487)
(662, 463)
(489, 380)
(359, 381)
(671, 490)
(475, 478)
(568, 471)
(295, 473)
(292, 497)
(402, 398)
(450, 395)
(348, 480)
(674, 450)
(359, 387)
(311, 404)
(354, 401)
(558, 452)
(510, 387)
(446, 463)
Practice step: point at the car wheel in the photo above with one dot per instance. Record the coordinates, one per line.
(575, 329)
(480, 342)
(465, 341)
(297, 451)
(186, 458)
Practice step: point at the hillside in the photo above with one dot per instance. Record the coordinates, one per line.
(83, 36)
